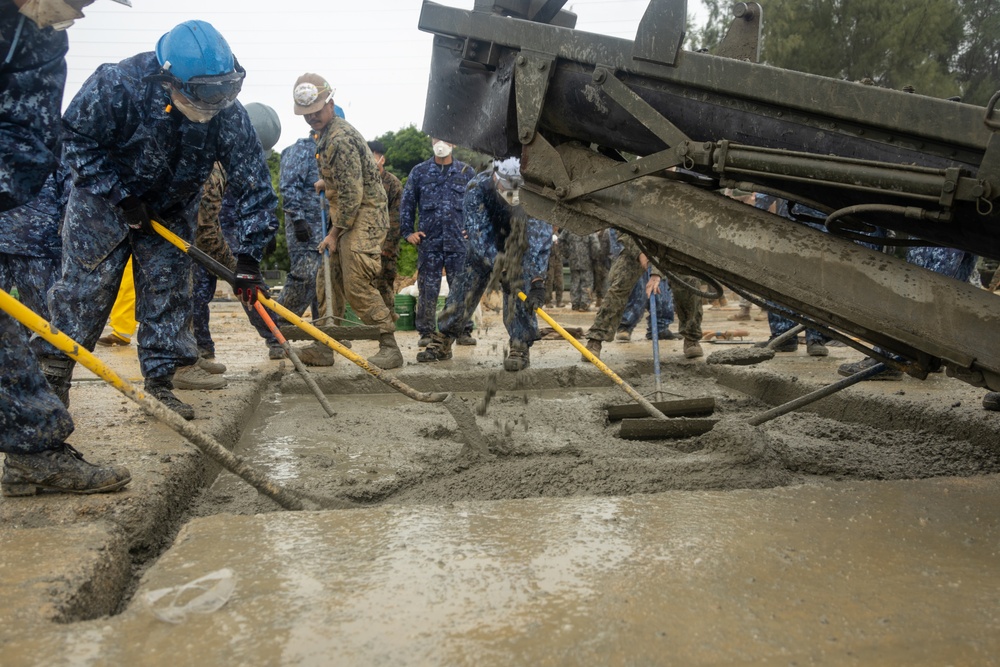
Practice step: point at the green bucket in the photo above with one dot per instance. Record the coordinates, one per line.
(405, 308)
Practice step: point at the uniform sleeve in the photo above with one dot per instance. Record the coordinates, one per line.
(100, 114)
(29, 107)
(208, 234)
(298, 174)
(474, 213)
(249, 180)
(394, 194)
(536, 259)
(341, 170)
(408, 204)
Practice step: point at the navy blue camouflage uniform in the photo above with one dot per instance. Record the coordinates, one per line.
(32, 76)
(121, 139)
(432, 202)
(638, 303)
(303, 212)
(30, 248)
(487, 220)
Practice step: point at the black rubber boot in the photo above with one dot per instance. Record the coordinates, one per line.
(161, 389)
(439, 349)
(58, 373)
(62, 469)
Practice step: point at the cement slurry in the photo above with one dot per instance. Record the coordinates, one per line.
(567, 546)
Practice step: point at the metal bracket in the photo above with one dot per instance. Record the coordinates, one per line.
(742, 41)
(532, 73)
(640, 109)
(628, 171)
(661, 32)
(988, 119)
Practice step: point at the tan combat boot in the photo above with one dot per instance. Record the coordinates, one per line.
(388, 355)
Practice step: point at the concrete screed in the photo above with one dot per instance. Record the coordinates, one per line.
(862, 531)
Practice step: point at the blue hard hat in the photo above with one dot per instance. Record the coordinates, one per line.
(195, 49)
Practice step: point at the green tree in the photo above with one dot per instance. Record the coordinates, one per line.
(899, 43)
(279, 258)
(716, 25)
(977, 66)
(405, 149)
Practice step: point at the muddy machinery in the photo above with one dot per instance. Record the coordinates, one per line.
(643, 136)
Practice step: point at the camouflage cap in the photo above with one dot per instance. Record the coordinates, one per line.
(311, 93)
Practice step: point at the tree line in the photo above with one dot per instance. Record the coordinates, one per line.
(942, 48)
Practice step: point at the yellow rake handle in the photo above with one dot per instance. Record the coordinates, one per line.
(626, 387)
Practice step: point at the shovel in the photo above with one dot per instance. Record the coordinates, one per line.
(470, 434)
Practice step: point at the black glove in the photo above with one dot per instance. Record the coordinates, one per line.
(136, 215)
(248, 280)
(301, 227)
(536, 295)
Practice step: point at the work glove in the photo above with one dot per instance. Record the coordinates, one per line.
(248, 280)
(301, 228)
(536, 295)
(136, 214)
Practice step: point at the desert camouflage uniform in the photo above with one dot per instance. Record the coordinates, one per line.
(625, 272)
(600, 257)
(581, 268)
(554, 281)
(358, 209)
(386, 280)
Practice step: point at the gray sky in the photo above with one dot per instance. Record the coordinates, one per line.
(370, 52)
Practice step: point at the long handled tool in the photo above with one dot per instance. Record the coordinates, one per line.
(210, 446)
(334, 326)
(644, 429)
(469, 431)
(656, 346)
(291, 354)
(626, 387)
(753, 355)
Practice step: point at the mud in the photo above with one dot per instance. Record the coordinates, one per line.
(558, 443)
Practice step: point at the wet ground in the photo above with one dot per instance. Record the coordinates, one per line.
(814, 538)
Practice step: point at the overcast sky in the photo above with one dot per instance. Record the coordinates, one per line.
(370, 52)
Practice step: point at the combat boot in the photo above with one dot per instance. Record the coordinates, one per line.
(742, 316)
(439, 349)
(692, 349)
(61, 469)
(991, 401)
(388, 355)
(197, 378)
(466, 339)
(594, 347)
(518, 358)
(315, 354)
(210, 365)
(161, 389)
(58, 373)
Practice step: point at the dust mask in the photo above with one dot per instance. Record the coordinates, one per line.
(441, 149)
(190, 109)
(55, 14)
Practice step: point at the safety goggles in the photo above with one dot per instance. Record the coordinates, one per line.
(213, 92)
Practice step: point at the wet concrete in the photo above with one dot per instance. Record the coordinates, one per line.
(860, 573)
(617, 552)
